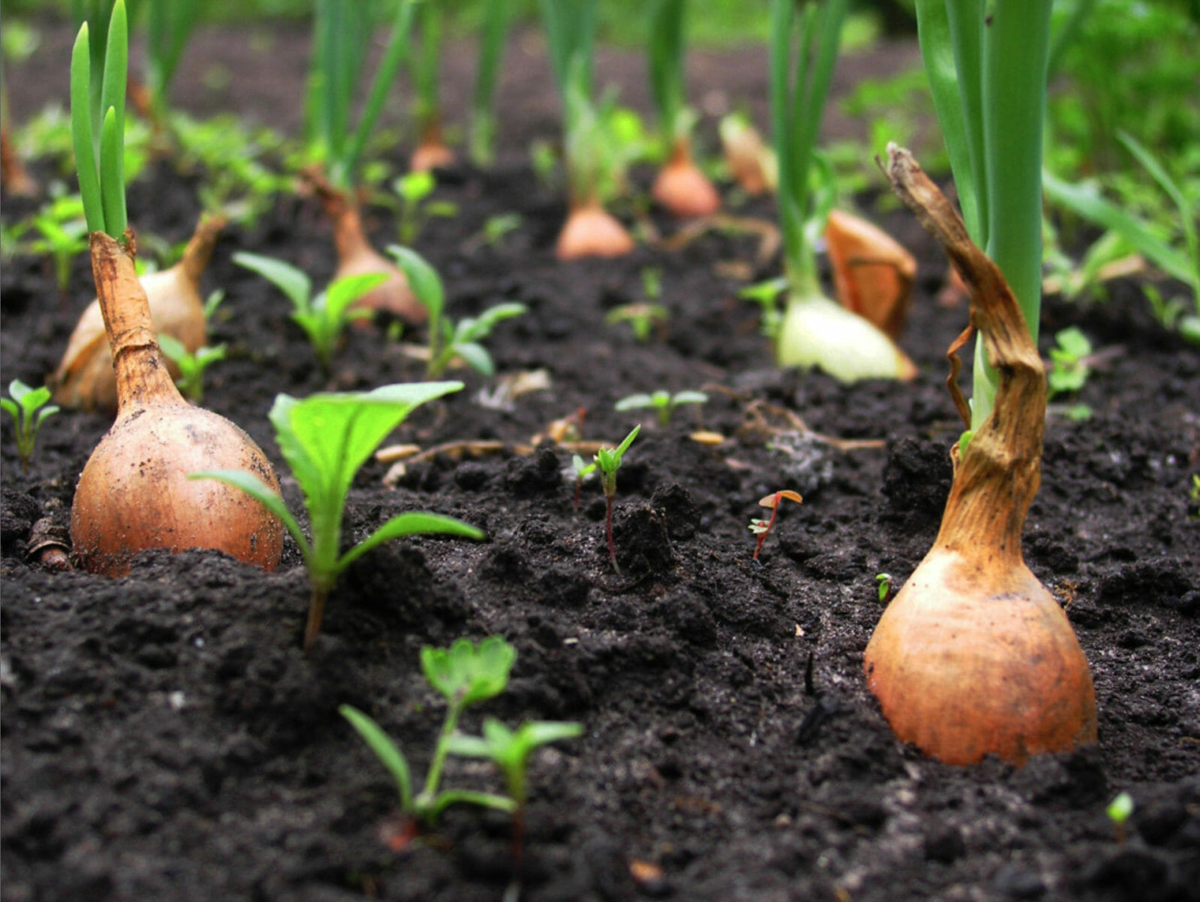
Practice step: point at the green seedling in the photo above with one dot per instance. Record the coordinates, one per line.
(214, 300)
(609, 462)
(582, 472)
(449, 340)
(510, 751)
(1194, 495)
(883, 586)
(62, 232)
(1182, 263)
(766, 295)
(1069, 369)
(230, 155)
(28, 409)
(325, 317)
(464, 675)
(493, 231)
(325, 439)
(641, 317)
(414, 190)
(662, 401)
(191, 366)
(1119, 811)
(762, 528)
(491, 50)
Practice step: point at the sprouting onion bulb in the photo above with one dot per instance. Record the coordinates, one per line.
(681, 188)
(356, 257)
(134, 494)
(85, 378)
(974, 657)
(591, 231)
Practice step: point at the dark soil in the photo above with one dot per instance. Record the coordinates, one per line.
(165, 738)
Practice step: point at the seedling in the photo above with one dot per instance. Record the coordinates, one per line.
(582, 472)
(766, 295)
(413, 190)
(449, 340)
(214, 300)
(1069, 358)
(883, 586)
(662, 401)
(63, 236)
(493, 231)
(28, 409)
(1194, 495)
(491, 50)
(609, 461)
(641, 317)
(762, 528)
(1119, 811)
(464, 674)
(325, 317)
(325, 439)
(191, 366)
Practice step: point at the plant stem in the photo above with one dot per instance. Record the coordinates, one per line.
(608, 531)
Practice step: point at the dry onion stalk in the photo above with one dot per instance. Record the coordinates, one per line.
(974, 657)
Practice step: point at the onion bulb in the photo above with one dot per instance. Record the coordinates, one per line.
(751, 163)
(974, 657)
(818, 332)
(432, 152)
(872, 274)
(591, 231)
(682, 189)
(85, 379)
(134, 494)
(356, 257)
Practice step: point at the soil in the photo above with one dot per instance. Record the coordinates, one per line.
(165, 738)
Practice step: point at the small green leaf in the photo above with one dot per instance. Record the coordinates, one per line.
(465, 673)
(475, 356)
(388, 753)
(412, 524)
(1120, 808)
(345, 291)
(291, 281)
(423, 279)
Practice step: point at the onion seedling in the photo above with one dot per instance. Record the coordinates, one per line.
(134, 494)
(974, 656)
(340, 33)
(168, 27)
(815, 331)
(491, 50)
(609, 462)
(85, 376)
(592, 163)
(325, 439)
(680, 187)
(662, 402)
(325, 317)
(27, 406)
(762, 528)
(449, 340)
(432, 151)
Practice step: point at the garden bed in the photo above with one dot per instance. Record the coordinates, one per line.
(165, 737)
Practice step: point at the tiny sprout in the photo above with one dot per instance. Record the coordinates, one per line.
(652, 280)
(191, 366)
(582, 471)
(609, 461)
(1194, 495)
(1118, 811)
(766, 295)
(413, 189)
(662, 401)
(1069, 362)
(762, 528)
(641, 317)
(28, 413)
(212, 302)
(883, 583)
(494, 229)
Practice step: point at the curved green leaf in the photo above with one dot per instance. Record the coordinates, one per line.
(411, 524)
(387, 751)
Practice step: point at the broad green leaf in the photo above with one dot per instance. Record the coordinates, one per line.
(466, 673)
(411, 524)
(388, 753)
(287, 278)
(423, 279)
(11, 407)
(345, 291)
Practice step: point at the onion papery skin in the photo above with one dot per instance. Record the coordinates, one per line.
(965, 666)
(134, 494)
(872, 274)
(591, 231)
(682, 189)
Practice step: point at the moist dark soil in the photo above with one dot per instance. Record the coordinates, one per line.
(165, 737)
